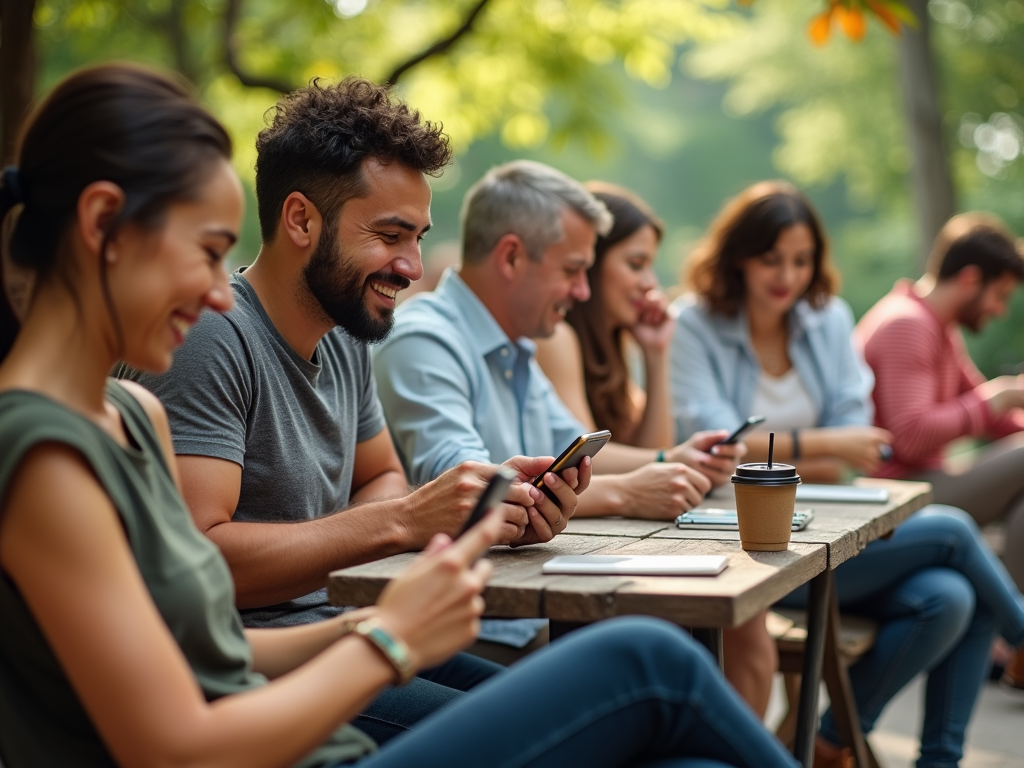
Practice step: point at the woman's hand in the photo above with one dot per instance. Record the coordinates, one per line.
(435, 604)
(702, 452)
(860, 447)
(664, 490)
(653, 332)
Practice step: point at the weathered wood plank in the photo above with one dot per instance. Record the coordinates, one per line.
(616, 526)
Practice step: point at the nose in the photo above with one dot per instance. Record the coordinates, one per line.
(220, 297)
(648, 280)
(409, 264)
(581, 288)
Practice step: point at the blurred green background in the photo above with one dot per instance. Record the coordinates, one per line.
(684, 101)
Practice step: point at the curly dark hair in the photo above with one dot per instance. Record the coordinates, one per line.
(748, 226)
(319, 137)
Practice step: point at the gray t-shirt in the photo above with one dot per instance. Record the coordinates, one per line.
(238, 391)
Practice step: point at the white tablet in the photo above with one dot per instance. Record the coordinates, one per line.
(842, 494)
(638, 565)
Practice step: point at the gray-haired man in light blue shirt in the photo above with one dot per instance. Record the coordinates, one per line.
(457, 378)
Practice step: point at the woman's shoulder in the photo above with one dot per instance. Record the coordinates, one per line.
(834, 316)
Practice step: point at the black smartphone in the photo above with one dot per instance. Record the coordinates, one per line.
(493, 495)
(584, 445)
(743, 428)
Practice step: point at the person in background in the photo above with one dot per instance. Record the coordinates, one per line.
(763, 332)
(586, 361)
(766, 335)
(121, 644)
(928, 392)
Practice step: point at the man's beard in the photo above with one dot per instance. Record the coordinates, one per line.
(340, 288)
(970, 315)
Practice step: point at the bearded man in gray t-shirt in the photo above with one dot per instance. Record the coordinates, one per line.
(283, 454)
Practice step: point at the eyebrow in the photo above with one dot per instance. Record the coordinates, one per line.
(227, 234)
(398, 221)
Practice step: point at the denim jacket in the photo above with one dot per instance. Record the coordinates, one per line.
(715, 369)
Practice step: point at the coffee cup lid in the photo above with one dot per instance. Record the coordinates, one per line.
(760, 474)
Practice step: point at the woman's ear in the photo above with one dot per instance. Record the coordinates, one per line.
(98, 205)
(300, 222)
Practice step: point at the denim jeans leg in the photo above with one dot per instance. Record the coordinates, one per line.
(951, 691)
(396, 710)
(622, 693)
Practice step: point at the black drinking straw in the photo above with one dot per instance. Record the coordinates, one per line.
(771, 448)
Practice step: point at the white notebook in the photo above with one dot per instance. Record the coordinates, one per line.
(638, 565)
(842, 494)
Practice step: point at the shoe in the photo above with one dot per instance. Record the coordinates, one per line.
(1013, 676)
(828, 755)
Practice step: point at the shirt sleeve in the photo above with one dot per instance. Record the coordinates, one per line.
(903, 355)
(698, 391)
(565, 427)
(427, 398)
(848, 403)
(207, 391)
(371, 413)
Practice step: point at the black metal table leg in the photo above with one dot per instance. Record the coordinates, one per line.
(711, 638)
(814, 651)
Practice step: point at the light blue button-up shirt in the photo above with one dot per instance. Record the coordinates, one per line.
(454, 387)
(715, 368)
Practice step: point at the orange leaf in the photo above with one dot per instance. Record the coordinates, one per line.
(886, 16)
(853, 22)
(819, 28)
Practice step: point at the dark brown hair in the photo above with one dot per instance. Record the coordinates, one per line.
(116, 122)
(319, 137)
(747, 226)
(976, 239)
(606, 376)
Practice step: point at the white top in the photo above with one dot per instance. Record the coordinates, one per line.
(784, 402)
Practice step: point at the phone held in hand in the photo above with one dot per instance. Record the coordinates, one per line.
(741, 430)
(493, 495)
(584, 445)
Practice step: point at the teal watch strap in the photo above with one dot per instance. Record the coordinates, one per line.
(393, 649)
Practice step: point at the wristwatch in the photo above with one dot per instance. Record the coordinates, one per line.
(392, 648)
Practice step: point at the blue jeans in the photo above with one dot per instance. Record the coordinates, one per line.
(625, 692)
(396, 710)
(940, 596)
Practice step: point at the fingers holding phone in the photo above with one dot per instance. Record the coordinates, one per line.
(662, 491)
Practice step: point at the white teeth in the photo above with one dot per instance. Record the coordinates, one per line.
(181, 325)
(385, 289)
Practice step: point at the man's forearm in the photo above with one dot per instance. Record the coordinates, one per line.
(617, 459)
(607, 495)
(387, 485)
(274, 562)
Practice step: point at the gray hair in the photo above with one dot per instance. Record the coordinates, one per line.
(524, 198)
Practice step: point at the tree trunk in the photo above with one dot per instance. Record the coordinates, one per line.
(18, 70)
(934, 197)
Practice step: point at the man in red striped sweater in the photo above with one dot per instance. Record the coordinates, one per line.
(928, 391)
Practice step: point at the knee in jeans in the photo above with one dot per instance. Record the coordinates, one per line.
(949, 601)
(954, 517)
(651, 644)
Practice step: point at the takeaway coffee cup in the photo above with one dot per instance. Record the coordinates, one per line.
(765, 498)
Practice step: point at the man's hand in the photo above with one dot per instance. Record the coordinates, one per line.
(548, 519)
(1003, 393)
(442, 505)
(700, 452)
(664, 490)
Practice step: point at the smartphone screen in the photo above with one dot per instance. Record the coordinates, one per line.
(584, 445)
(492, 495)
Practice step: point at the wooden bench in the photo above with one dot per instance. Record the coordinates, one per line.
(856, 636)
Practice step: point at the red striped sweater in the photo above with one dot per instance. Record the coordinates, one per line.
(925, 383)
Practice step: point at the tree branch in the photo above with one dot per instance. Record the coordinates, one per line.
(232, 12)
(441, 45)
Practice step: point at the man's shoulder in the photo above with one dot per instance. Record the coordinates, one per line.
(427, 317)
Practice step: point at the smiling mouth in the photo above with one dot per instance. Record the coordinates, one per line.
(384, 289)
(181, 326)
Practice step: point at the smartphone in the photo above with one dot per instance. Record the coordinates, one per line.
(743, 428)
(493, 495)
(725, 519)
(584, 445)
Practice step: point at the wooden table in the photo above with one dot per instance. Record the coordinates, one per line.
(752, 582)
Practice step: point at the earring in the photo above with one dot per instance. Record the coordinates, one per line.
(110, 256)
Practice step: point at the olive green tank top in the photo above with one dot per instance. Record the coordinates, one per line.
(42, 723)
